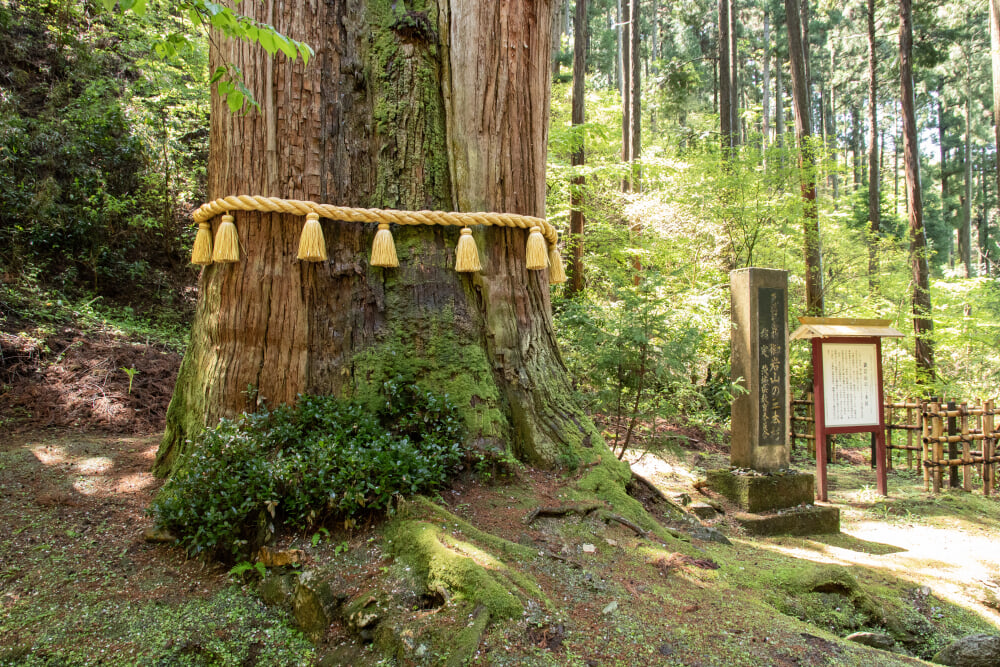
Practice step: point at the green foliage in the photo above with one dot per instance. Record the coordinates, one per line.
(102, 153)
(300, 466)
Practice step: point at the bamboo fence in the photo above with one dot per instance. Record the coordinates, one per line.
(953, 435)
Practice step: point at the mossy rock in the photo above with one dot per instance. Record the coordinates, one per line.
(829, 596)
(451, 573)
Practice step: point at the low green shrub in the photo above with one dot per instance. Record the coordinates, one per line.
(299, 466)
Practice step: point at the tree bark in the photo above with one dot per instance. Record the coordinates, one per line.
(923, 325)
(874, 183)
(725, 80)
(965, 230)
(574, 283)
(734, 79)
(779, 103)
(442, 106)
(635, 97)
(945, 192)
(766, 101)
(626, 58)
(995, 57)
(807, 163)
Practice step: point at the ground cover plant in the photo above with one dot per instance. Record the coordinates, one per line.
(302, 466)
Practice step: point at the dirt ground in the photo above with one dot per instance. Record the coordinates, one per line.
(80, 585)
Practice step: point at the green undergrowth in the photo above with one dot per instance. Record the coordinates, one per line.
(323, 459)
(231, 628)
(42, 312)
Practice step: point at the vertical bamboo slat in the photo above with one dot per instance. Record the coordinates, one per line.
(937, 429)
(966, 449)
(909, 438)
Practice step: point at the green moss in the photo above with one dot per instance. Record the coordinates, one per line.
(421, 506)
(607, 481)
(451, 573)
(432, 355)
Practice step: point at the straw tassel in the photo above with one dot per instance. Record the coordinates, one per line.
(227, 243)
(536, 255)
(557, 274)
(201, 253)
(312, 245)
(467, 254)
(383, 249)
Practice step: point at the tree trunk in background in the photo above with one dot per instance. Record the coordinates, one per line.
(556, 32)
(734, 79)
(874, 183)
(766, 101)
(834, 175)
(654, 51)
(443, 107)
(807, 164)
(626, 56)
(923, 325)
(856, 144)
(725, 81)
(779, 103)
(806, 60)
(635, 99)
(619, 69)
(574, 284)
(995, 54)
(945, 206)
(965, 231)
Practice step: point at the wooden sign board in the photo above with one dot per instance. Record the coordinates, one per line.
(847, 384)
(850, 384)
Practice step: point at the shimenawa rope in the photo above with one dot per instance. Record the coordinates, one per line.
(312, 247)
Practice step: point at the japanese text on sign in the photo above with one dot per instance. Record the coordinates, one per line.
(850, 384)
(772, 365)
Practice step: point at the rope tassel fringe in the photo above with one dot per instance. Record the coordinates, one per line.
(312, 245)
(557, 274)
(227, 243)
(383, 249)
(467, 254)
(536, 256)
(201, 253)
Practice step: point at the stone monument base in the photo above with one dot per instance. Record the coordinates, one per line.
(778, 503)
(803, 520)
(763, 492)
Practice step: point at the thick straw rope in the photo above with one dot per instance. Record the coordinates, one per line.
(449, 218)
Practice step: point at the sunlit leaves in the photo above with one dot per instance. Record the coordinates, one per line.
(217, 19)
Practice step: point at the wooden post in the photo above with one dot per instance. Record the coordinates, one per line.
(888, 434)
(820, 430)
(966, 449)
(925, 429)
(881, 475)
(988, 448)
(952, 447)
(909, 436)
(937, 429)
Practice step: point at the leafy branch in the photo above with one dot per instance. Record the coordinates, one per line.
(204, 14)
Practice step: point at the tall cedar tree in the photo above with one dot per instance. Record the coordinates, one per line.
(874, 208)
(923, 325)
(444, 109)
(807, 163)
(574, 283)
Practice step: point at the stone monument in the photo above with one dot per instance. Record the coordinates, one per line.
(760, 480)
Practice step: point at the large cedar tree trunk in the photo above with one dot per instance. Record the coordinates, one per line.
(923, 325)
(440, 106)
